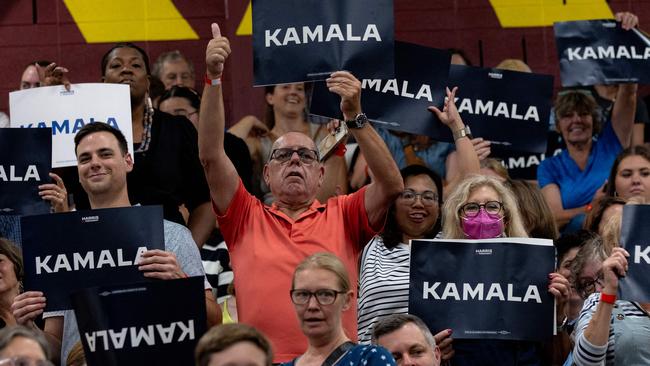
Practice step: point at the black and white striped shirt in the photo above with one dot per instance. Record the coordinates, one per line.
(383, 284)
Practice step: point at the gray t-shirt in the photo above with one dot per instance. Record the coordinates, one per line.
(178, 240)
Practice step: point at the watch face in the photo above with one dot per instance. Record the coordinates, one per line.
(360, 120)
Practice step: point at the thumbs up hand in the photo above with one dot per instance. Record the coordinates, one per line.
(216, 53)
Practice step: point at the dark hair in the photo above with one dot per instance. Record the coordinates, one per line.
(142, 53)
(537, 216)
(182, 92)
(573, 240)
(269, 115)
(7, 335)
(392, 234)
(393, 322)
(156, 89)
(95, 127)
(595, 216)
(41, 63)
(15, 256)
(640, 150)
(580, 101)
(460, 53)
(223, 336)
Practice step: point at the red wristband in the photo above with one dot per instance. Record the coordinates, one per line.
(212, 82)
(608, 299)
(588, 208)
(340, 150)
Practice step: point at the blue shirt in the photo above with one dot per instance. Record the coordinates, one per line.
(577, 187)
(361, 355)
(434, 157)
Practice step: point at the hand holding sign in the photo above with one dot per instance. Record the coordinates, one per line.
(55, 193)
(349, 88)
(28, 306)
(449, 114)
(160, 264)
(614, 267)
(444, 342)
(216, 53)
(627, 19)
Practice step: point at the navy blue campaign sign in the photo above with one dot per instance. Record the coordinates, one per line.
(484, 289)
(509, 108)
(302, 40)
(150, 323)
(635, 238)
(400, 103)
(601, 52)
(25, 161)
(70, 251)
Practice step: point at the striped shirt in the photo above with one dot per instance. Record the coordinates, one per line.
(587, 354)
(383, 284)
(216, 263)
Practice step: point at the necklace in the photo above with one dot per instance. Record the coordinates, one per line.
(147, 121)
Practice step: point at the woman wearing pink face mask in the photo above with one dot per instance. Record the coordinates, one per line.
(481, 207)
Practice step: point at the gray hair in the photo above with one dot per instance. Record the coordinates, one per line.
(391, 323)
(7, 335)
(170, 56)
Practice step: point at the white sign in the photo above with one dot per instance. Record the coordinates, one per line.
(67, 111)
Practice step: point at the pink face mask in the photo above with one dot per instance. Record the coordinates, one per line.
(482, 226)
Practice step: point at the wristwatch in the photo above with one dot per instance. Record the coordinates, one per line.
(462, 133)
(358, 122)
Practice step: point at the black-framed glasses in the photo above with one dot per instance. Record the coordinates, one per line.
(323, 296)
(588, 287)
(24, 361)
(282, 155)
(472, 209)
(428, 198)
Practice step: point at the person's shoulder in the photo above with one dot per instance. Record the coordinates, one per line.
(372, 355)
(175, 230)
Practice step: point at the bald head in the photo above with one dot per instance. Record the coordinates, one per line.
(294, 139)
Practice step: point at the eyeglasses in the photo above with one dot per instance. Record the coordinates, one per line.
(282, 155)
(472, 209)
(586, 288)
(428, 198)
(323, 296)
(24, 361)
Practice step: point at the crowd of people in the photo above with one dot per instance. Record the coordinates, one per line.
(306, 261)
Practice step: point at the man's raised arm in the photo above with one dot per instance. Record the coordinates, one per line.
(220, 172)
(387, 182)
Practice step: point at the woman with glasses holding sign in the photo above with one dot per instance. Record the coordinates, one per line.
(321, 292)
(415, 214)
(481, 207)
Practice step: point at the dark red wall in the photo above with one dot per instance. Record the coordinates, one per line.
(44, 29)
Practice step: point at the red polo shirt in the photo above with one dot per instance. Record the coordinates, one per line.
(266, 246)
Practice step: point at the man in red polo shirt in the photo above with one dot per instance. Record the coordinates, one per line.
(267, 242)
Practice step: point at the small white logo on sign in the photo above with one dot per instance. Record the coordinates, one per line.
(88, 219)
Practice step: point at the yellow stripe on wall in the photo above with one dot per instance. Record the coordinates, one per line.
(541, 13)
(129, 20)
(245, 27)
